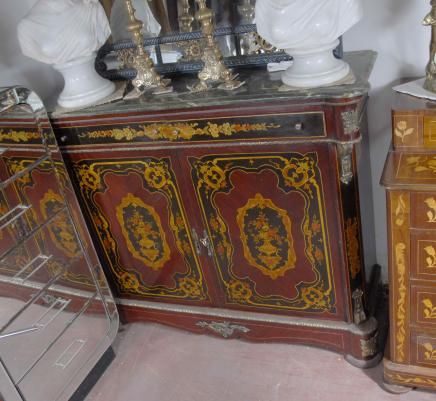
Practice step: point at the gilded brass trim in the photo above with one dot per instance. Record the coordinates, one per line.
(350, 121)
(224, 329)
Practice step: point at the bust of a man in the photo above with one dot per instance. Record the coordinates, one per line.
(59, 31)
(294, 24)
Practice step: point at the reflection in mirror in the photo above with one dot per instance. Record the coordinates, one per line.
(52, 288)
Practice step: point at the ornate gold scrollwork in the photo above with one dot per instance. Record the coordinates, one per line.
(156, 175)
(143, 232)
(298, 172)
(89, 179)
(212, 175)
(239, 291)
(266, 235)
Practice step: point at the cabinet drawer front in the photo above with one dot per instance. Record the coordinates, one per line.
(424, 306)
(266, 219)
(423, 247)
(423, 349)
(423, 210)
(139, 220)
(303, 125)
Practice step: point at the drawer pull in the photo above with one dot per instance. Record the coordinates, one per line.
(224, 329)
(70, 353)
(201, 243)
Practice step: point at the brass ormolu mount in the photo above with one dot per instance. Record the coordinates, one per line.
(146, 78)
(214, 70)
(430, 20)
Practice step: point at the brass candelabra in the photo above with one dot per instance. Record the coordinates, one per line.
(146, 78)
(214, 70)
(191, 49)
(430, 20)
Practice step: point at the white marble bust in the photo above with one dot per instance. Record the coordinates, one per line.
(66, 34)
(304, 26)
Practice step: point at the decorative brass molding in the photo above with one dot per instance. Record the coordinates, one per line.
(266, 236)
(352, 246)
(402, 130)
(400, 334)
(225, 329)
(359, 315)
(350, 121)
(369, 347)
(143, 232)
(177, 131)
(345, 151)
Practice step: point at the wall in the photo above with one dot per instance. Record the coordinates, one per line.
(391, 27)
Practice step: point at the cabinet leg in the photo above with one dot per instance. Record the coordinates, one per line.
(364, 363)
(395, 388)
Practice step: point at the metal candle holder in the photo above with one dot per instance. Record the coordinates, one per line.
(430, 20)
(214, 70)
(146, 77)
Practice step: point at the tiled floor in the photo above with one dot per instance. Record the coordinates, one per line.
(157, 363)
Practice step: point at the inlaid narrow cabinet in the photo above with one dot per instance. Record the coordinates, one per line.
(410, 180)
(232, 213)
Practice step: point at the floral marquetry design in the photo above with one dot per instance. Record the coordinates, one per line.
(429, 309)
(266, 235)
(430, 260)
(429, 352)
(402, 130)
(62, 231)
(18, 136)
(400, 261)
(154, 238)
(178, 131)
(143, 232)
(431, 213)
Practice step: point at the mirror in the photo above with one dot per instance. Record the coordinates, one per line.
(173, 39)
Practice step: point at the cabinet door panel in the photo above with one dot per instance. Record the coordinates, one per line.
(141, 227)
(266, 218)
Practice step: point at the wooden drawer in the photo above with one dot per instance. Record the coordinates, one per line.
(423, 210)
(423, 306)
(300, 125)
(423, 255)
(423, 349)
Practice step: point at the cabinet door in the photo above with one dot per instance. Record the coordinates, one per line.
(139, 220)
(271, 218)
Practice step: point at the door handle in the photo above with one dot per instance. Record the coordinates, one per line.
(203, 242)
